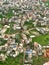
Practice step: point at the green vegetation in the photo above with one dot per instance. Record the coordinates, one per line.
(1, 25)
(10, 31)
(29, 24)
(9, 14)
(39, 60)
(18, 38)
(13, 61)
(47, 3)
(42, 39)
(2, 41)
(1, 16)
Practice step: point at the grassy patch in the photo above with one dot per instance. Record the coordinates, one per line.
(13, 61)
(39, 61)
(2, 41)
(42, 39)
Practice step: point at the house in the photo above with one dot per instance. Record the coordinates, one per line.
(27, 57)
(20, 48)
(43, 23)
(32, 36)
(47, 63)
(2, 57)
(6, 36)
(44, 0)
(43, 30)
(38, 48)
(4, 48)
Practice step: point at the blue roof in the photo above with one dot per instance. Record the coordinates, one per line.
(29, 51)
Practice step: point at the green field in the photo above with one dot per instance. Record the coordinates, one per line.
(13, 61)
(42, 39)
(40, 60)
